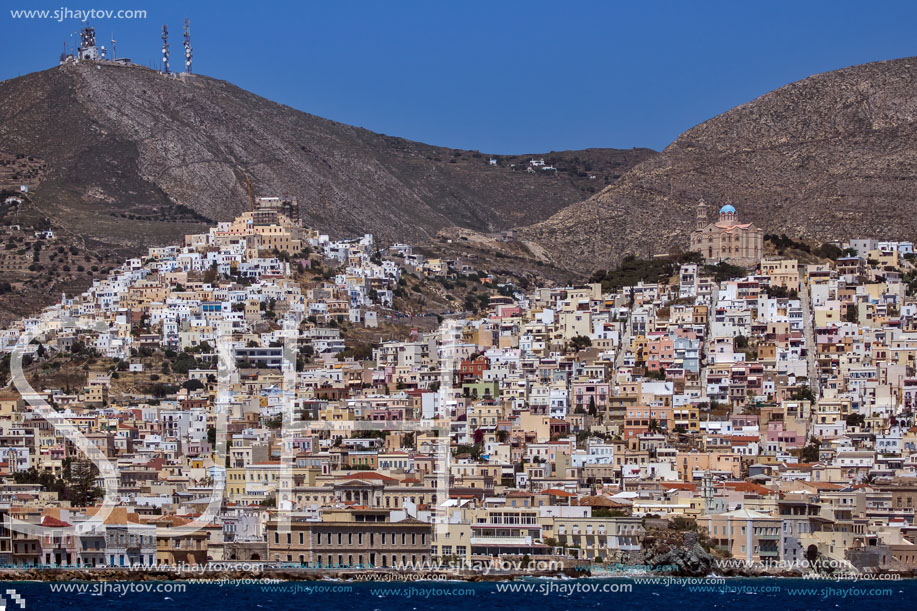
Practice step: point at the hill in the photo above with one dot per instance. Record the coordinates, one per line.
(832, 156)
(134, 157)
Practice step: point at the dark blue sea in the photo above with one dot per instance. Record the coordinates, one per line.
(541, 595)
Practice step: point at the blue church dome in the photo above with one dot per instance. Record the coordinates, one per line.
(728, 208)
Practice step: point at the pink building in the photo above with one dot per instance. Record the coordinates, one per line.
(598, 392)
(660, 350)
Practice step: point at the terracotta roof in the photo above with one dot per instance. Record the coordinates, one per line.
(53, 522)
(600, 501)
(748, 487)
(556, 492)
(118, 515)
(679, 486)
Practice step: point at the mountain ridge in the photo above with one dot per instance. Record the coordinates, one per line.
(143, 143)
(828, 157)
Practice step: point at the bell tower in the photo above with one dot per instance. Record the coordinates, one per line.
(701, 215)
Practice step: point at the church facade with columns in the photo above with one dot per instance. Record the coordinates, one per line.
(726, 239)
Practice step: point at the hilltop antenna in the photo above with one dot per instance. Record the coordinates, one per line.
(114, 50)
(88, 49)
(165, 50)
(188, 46)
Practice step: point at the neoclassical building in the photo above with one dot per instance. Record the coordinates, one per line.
(727, 239)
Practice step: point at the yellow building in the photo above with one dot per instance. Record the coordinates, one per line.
(782, 272)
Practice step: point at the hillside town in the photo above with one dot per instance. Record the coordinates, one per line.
(200, 404)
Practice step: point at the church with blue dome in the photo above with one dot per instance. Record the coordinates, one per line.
(726, 239)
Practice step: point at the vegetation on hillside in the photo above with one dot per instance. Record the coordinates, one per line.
(660, 269)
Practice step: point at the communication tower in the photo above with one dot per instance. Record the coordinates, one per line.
(165, 50)
(88, 48)
(188, 46)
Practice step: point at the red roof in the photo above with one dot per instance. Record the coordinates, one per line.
(748, 487)
(678, 486)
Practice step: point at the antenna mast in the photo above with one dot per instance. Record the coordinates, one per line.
(165, 50)
(114, 51)
(188, 46)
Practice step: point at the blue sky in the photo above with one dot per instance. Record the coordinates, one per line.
(500, 77)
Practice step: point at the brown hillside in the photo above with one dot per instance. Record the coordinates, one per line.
(135, 157)
(829, 157)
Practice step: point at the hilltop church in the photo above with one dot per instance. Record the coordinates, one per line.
(727, 239)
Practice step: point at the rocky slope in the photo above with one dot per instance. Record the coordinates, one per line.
(134, 157)
(829, 157)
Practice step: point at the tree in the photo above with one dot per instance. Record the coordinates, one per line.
(408, 440)
(810, 452)
(192, 385)
(184, 362)
(82, 483)
(850, 314)
(160, 390)
(592, 408)
(803, 394)
(211, 275)
(580, 342)
(855, 420)
(46, 479)
(829, 251)
(653, 426)
(270, 501)
(812, 553)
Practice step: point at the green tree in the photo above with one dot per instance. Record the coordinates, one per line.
(580, 342)
(82, 483)
(810, 452)
(850, 314)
